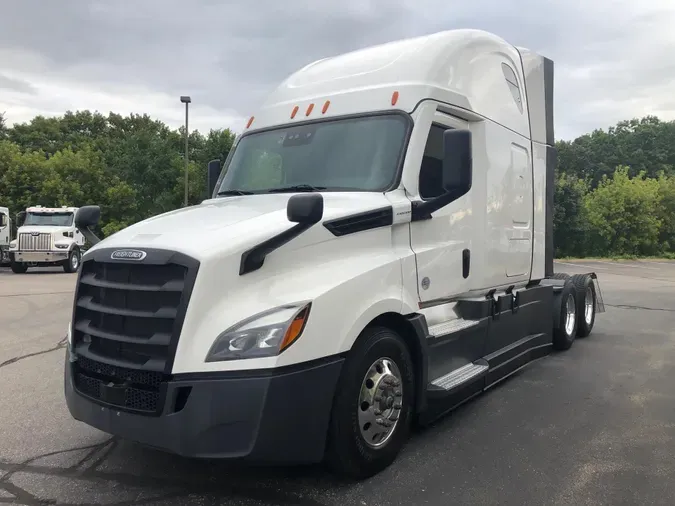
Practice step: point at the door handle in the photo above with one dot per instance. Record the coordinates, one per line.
(466, 263)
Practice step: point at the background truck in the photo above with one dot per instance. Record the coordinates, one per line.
(377, 250)
(46, 236)
(5, 235)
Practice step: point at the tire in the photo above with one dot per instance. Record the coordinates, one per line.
(351, 451)
(566, 305)
(73, 263)
(560, 275)
(18, 267)
(585, 309)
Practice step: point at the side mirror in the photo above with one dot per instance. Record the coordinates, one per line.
(212, 176)
(20, 218)
(305, 208)
(457, 161)
(87, 216)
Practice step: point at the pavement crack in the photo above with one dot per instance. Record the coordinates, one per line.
(105, 450)
(13, 468)
(626, 306)
(181, 487)
(34, 294)
(60, 345)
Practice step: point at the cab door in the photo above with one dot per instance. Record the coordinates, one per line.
(4, 229)
(443, 244)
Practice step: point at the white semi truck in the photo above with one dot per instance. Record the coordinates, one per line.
(377, 250)
(5, 235)
(47, 236)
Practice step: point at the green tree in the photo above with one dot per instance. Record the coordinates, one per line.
(666, 212)
(623, 215)
(642, 145)
(569, 217)
(3, 127)
(22, 176)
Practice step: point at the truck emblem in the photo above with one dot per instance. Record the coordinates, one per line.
(128, 254)
(34, 234)
(425, 283)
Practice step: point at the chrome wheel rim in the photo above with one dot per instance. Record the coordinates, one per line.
(74, 261)
(380, 402)
(571, 315)
(589, 306)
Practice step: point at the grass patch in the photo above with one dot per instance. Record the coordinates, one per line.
(617, 258)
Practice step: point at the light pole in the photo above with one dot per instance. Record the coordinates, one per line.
(186, 100)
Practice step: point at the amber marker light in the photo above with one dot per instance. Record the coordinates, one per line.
(394, 98)
(295, 328)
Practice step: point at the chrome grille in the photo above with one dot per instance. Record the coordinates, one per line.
(38, 242)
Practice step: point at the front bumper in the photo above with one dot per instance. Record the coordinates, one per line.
(280, 417)
(39, 256)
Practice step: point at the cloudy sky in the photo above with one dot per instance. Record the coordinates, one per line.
(615, 59)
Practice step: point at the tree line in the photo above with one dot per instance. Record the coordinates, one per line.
(133, 166)
(615, 191)
(614, 195)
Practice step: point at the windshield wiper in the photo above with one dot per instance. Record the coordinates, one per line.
(233, 192)
(297, 188)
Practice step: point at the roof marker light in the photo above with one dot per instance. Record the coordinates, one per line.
(394, 98)
(325, 107)
(295, 111)
(250, 122)
(309, 109)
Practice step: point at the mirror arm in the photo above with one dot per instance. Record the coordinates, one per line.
(421, 210)
(89, 235)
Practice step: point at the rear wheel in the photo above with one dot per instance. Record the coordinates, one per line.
(560, 275)
(373, 406)
(586, 303)
(566, 323)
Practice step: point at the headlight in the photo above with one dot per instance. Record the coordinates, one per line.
(263, 335)
(62, 244)
(12, 244)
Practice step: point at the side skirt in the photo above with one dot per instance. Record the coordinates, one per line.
(519, 330)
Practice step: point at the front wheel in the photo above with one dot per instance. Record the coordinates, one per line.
(18, 267)
(73, 262)
(373, 406)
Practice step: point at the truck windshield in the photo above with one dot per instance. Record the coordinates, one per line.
(357, 154)
(49, 219)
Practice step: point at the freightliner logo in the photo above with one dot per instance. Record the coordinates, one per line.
(128, 254)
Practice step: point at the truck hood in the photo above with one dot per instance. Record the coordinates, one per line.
(43, 229)
(218, 227)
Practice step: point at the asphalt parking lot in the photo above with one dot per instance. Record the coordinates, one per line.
(594, 425)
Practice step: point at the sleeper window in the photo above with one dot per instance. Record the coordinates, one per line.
(512, 82)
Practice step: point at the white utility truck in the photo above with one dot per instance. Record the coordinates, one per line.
(377, 250)
(46, 236)
(5, 235)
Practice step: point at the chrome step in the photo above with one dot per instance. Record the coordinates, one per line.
(459, 376)
(450, 327)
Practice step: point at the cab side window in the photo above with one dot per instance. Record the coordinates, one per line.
(431, 171)
(3, 220)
